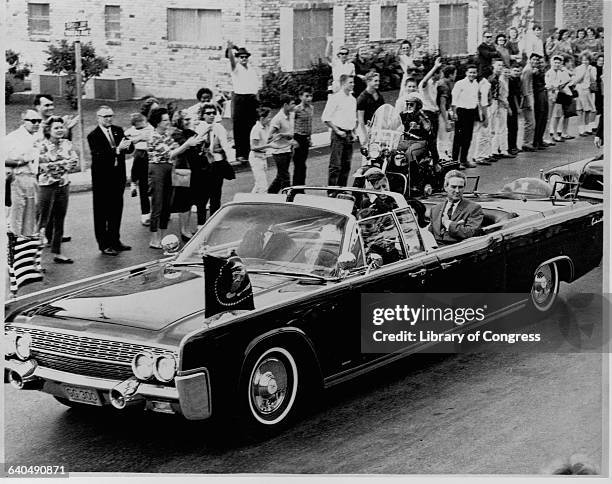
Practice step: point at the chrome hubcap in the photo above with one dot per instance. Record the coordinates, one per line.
(542, 284)
(268, 388)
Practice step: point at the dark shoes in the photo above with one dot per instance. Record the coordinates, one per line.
(60, 259)
(121, 247)
(109, 251)
(468, 164)
(529, 148)
(66, 238)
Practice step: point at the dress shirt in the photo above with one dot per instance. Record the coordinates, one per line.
(532, 44)
(341, 111)
(245, 80)
(339, 68)
(260, 134)
(302, 124)
(465, 94)
(282, 126)
(21, 145)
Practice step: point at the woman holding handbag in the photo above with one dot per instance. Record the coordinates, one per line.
(585, 78)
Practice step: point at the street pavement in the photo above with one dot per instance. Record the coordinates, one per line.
(89, 261)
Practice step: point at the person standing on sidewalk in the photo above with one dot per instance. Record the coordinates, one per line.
(446, 125)
(281, 139)
(108, 147)
(139, 134)
(340, 114)
(499, 111)
(514, 103)
(21, 162)
(367, 104)
(246, 82)
(302, 134)
(341, 65)
(480, 149)
(486, 53)
(258, 159)
(428, 94)
(528, 102)
(540, 96)
(557, 80)
(465, 107)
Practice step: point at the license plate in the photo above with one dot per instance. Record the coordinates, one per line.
(82, 395)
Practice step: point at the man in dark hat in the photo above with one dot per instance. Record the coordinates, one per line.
(246, 82)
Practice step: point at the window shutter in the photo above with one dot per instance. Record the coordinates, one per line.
(472, 33)
(286, 39)
(434, 23)
(374, 22)
(338, 26)
(402, 20)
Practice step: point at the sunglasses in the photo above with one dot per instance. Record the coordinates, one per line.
(342, 53)
(488, 36)
(209, 113)
(411, 104)
(34, 121)
(243, 57)
(105, 115)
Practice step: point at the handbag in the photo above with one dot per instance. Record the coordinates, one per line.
(563, 98)
(181, 177)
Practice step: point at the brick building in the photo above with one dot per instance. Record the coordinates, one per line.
(172, 48)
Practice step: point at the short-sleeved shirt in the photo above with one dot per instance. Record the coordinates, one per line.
(368, 104)
(160, 146)
(428, 94)
(444, 93)
(56, 161)
(283, 125)
(303, 119)
(259, 133)
(339, 68)
(245, 80)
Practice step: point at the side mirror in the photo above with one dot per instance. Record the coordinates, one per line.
(346, 261)
(170, 243)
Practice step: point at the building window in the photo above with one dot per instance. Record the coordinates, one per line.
(388, 22)
(544, 14)
(311, 27)
(38, 19)
(112, 22)
(194, 26)
(453, 27)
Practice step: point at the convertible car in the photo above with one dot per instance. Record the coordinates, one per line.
(586, 175)
(147, 337)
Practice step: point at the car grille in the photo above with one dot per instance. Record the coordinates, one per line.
(84, 355)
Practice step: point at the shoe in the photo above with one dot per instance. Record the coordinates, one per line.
(507, 155)
(513, 152)
(584, 134)
(541, 147)
(468, 164)
(527, 148)
(491, 159)
(66, 238)
(483, 162)
(109, 251)
(496, 155)
(145, 219)
(155, 246)
(60, 259)
(567, 136)
(121, 247)
(558, 139)
(549, 143)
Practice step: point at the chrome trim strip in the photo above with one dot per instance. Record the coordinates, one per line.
(25, 326)
(145, 389)
(83, 358)
(558, 258)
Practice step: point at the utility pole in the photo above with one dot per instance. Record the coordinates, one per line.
(78, 29)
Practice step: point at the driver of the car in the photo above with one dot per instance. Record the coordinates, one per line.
(456, 218)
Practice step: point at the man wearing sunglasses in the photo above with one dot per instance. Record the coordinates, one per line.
(486, 52)
(21, 162)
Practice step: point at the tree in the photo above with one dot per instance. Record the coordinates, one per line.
(61, 60)
(17, 71)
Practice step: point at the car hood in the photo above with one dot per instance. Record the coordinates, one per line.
(154, 299)
(577, 167)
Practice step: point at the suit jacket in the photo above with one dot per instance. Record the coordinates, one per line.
(106, 165)
(465, 222)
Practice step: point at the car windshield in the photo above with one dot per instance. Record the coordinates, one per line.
(272, 237)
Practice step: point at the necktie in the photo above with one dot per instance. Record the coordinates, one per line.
(111, 139)
(449, 210)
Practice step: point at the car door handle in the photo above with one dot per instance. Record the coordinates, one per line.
(420, 273)
(446, 265)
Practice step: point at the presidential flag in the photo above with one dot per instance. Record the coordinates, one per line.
(24, 255)
(227, 285)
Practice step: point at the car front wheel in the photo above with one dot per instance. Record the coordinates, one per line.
(270, 387)
(545, 287)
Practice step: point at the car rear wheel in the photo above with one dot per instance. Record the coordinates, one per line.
(271, 381)
(545, 287)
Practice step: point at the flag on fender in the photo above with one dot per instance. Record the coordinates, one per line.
(227, 285)
(24, 256)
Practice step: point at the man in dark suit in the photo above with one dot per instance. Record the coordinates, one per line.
(108, 147)
(455, 219)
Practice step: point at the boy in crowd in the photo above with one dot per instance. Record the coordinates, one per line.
(446, 124)
(302, 132)
(260, 134)
(281, 136)
(514, 103)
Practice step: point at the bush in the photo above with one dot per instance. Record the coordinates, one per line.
(17, 71)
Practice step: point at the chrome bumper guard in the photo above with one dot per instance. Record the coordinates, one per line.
(144, 390)
(193, 387)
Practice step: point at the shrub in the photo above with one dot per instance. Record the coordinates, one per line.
(17, 71)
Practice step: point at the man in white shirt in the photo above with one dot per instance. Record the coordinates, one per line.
(533, 42)
(340, 114)
(282, 142)
(465, 106)
(340, 64)
(246, 82)
(21, 162)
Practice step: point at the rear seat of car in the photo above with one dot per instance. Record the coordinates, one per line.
(493, 216)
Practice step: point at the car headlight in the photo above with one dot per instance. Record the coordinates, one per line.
(10, 342)
(143, 365)
(374, 150)
(165, 368)
(23, 345)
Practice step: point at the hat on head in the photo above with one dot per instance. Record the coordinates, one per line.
(414, 98)
(242, 51)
